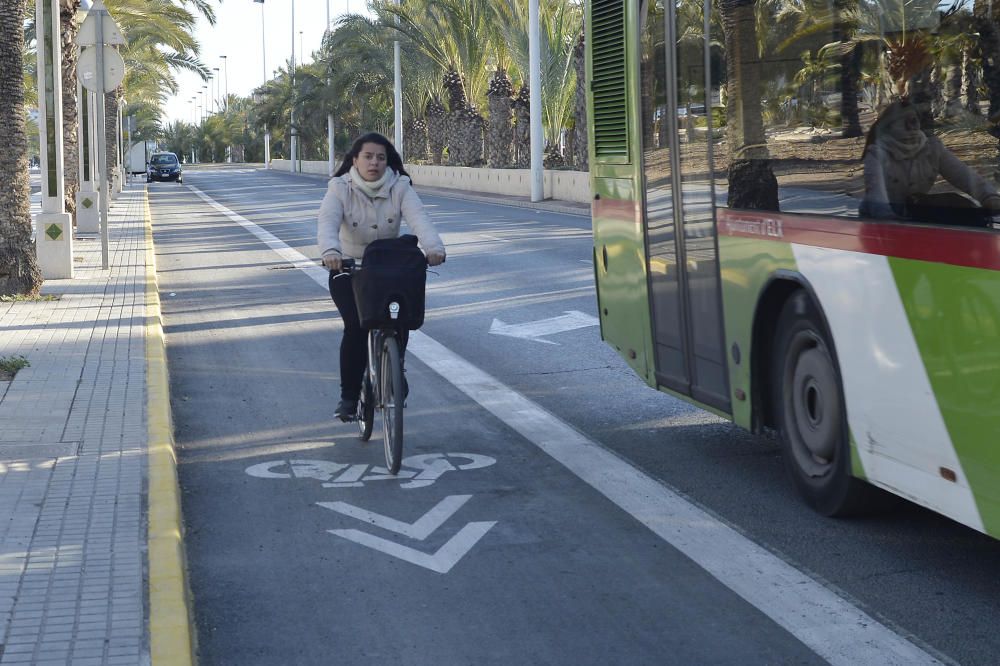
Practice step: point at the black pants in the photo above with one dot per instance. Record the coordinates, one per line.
(354, 345)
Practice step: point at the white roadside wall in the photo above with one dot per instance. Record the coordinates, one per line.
(559, 185)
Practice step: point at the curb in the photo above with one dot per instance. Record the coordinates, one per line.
(171, 633)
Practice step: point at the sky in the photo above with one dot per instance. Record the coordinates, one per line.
(237, 35)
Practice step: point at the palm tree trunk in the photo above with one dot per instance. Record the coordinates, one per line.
(500, 129)
(111, 135)
(850, 75)
(437, 129)
(19, 272)
(71, 177)
(580, 146)
(970, 86)
(953, 89)
(522, 128)
(751, 180)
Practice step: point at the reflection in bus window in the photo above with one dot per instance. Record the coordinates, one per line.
(901, 166)
(804, 85)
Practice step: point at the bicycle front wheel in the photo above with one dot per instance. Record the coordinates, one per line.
(391, 380)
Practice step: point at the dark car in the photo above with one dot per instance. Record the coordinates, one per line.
(164, 166)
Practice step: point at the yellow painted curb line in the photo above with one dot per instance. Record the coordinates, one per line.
(170, 619)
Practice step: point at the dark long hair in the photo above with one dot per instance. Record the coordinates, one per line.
(395, 162)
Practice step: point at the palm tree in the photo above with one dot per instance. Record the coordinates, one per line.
(459, 37)
(559, 24)
(19, 272)
(840, 22)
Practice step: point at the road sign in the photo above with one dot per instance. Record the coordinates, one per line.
(87, 36)
(114, 69)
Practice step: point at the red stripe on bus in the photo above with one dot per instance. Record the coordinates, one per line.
(615, 209)
(974, 248)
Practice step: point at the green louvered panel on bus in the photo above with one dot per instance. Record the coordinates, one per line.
(608, 79)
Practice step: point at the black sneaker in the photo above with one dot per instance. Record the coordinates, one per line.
(346, 410)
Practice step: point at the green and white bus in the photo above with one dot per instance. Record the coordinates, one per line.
(793, 228)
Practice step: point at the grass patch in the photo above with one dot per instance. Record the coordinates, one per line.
(18, 298)
(9, 365)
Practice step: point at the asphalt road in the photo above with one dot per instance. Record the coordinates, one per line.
(492, 550)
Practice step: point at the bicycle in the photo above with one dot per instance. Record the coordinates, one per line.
(383, 386)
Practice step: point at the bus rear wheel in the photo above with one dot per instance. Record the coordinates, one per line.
(808, 399)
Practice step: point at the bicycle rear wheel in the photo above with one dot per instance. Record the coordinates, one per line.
(366, 409)
(391, 383)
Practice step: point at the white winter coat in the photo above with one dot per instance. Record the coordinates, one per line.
(349, 219)
(889, 181)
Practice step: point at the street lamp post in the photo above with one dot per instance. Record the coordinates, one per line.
(263, 63)
(398, 94)
(225, 75)
(54, 235)
(535, 85)
(215, 90)
(294, 143)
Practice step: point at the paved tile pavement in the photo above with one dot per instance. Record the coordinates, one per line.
(73, 460)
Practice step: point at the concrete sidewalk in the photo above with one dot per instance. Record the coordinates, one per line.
(91, 568)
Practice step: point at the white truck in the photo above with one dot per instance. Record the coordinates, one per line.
(138, 156)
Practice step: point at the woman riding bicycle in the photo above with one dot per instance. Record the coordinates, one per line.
(368, 198)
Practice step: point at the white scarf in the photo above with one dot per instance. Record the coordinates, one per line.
(903, 145)
(371, 188)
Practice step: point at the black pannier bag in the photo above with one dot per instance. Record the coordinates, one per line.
(392, 270)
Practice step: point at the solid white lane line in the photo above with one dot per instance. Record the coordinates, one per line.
(834, 628)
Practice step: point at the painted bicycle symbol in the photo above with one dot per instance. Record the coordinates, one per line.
(417, 471)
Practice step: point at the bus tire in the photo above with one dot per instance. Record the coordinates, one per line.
(808, 399)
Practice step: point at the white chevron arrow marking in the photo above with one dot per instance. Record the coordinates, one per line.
(420, 530)
(441, 562)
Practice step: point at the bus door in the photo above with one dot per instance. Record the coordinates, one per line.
(684, 279)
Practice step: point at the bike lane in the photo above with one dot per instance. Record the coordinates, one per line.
(484, 550)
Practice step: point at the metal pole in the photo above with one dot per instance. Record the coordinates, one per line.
(535, 84)
(102, 133)
(263, 64)
(225, 74)
(329, 138)
(398, 94)
(293, 139)
(122, 146)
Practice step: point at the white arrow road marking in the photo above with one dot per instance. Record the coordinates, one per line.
(419, 530)
(534, 330)
(441, 562)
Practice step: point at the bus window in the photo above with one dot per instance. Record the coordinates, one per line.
(805, 91)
